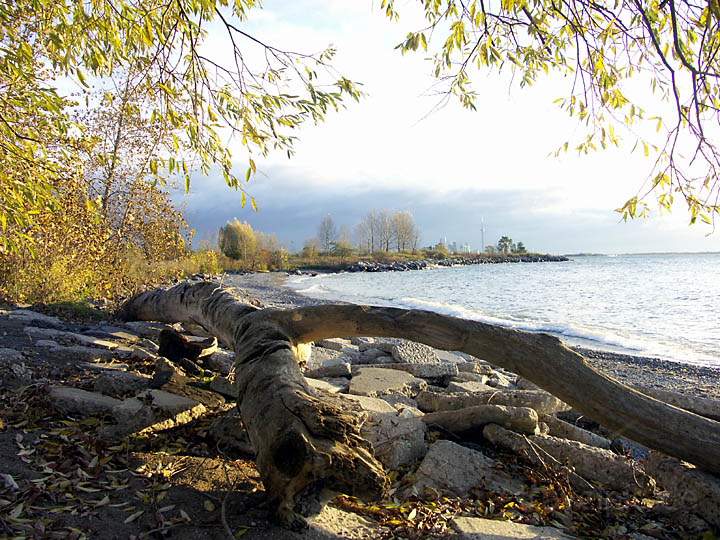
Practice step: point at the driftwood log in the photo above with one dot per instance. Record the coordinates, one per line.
(304, 440)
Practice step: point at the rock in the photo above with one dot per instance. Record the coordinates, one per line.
(62, 336)
(339, 370)
(27, 315)
(543, 402)
(449, 357)
(451, 469)
(689, 487)
(409, 352)
(565, 430)
(75, 401)
(435, 373)
(474, 528)
(469, 386)
(230, 433)
(498, 380)
(520, 419)
(590, 464)
(368, 356)
(149, 329)
(324, 357)
(333, 386)
(155, 410)
(114, 332)
(79, 352)
(396, 440)
(361, 341)
(468, 376)
(9, 356)
(375, 382)
(222, 361)
(120, 384)
(333, 523)
(371, 404)
(167, 372)
(384, 344)
(225, 387)
(335, 344)
(524, 384)
(481, 368)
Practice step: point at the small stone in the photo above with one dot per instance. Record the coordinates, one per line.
(375, 382)
(473, 528)
(449, 468)
(75, 401)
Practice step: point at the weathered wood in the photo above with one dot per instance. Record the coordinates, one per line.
(540, 358)
(522, 419)
(565, 430)
(303, 439)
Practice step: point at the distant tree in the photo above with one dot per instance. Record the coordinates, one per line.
(405, 231)
(327, 234)
(441, 249)
(504, 245)
(385, 231)
(520, 248)
(237, 240)
(311, 248)
(491, 250)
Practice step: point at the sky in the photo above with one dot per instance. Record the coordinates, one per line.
(451, 168)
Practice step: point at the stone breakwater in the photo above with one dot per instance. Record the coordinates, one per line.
(401, 266)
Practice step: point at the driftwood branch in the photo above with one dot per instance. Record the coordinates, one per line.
(303, 439)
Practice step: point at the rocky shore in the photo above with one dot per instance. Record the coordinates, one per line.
(421, 264)
(109, 432)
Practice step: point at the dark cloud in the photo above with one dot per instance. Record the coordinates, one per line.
(291, 207)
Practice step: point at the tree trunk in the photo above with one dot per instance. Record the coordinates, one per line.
(303, 439)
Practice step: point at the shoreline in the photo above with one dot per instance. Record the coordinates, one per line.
(691, 379)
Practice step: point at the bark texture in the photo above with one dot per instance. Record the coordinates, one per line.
(303, 439)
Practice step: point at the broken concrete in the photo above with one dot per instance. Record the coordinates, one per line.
(75, 401)
(155, 410)
(452, 469)
(375, 382)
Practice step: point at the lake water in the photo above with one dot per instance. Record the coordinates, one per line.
(666, 306)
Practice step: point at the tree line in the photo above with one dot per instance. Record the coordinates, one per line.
(379, 230)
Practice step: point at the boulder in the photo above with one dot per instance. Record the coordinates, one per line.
(376, 382)
(451, 469)
(368, 356)
(449, 357)
(224, 386)
(324, 357)
(75, 401)
(475, 528)
(362, 341)
(474, 366)
(498, 380)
